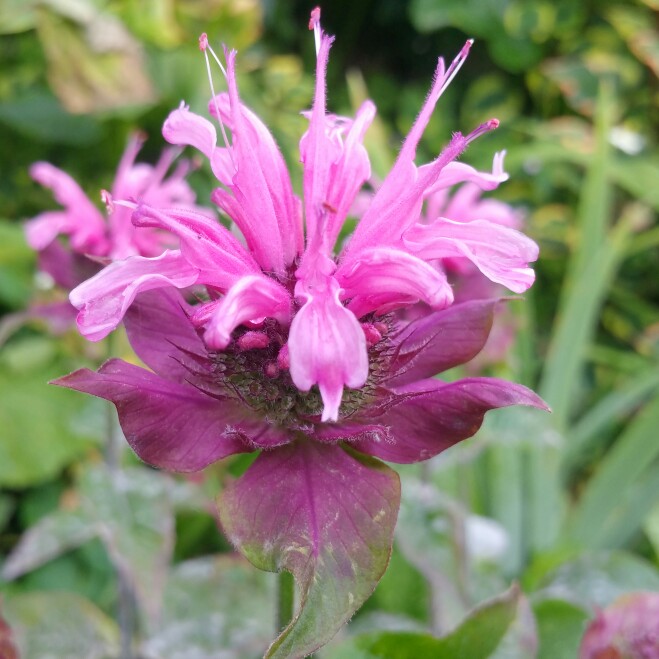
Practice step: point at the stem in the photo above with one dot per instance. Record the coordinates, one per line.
(112, 433)
(126, 603)
(285, 597)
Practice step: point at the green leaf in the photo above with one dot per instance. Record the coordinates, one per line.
(622, 466)
(590, 273)
(651, 527)
(38, 114)
(480, 634)
(585, 434)
(16, 265)
(213, 607)
(60, 625)
(41, 425)
(90, 73)
(6, 509)
(597, 579)
(472, 16)
(560, 628)
(17, 16)
(47, 539)
(132, 513)
(476, 638)
(130, 510)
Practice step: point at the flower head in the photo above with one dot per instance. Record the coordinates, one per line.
(299, 351)
(287, 269)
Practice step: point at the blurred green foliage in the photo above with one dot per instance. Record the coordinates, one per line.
(574, 495)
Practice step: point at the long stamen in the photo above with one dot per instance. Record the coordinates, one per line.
(314, 24)
(481, 130)
(110, 202)
(205, 47)
(455, 66)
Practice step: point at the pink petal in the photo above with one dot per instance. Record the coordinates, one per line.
(333, 171)
(467, 205)
(267, 213)
(83, 223)
(41, 230)
(327, 345)
(208, 246)
(500, 253)
(397, 204)
(104, 299)
(255, 148)
(251, 298)
(458, 172)
(185, 128)
(391, 274)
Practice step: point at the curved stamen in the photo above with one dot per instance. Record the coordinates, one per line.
(205, 48)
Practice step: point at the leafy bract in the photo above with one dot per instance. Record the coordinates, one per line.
(327, 516)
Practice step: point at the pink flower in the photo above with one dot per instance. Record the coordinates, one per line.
(292, 336)
(112, 235)
(629, 628)
(319, 299)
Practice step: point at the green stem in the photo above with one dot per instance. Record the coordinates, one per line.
(285, 596)
(126, 602)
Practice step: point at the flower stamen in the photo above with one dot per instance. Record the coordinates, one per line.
(481, 130)
(314, 24)
(205, 47)
(455, 66)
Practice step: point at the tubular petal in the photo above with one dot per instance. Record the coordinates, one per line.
(500, 253)
(185, 128)
(261, 151)
(217, 255)
(385, 271)
(459, 172)
(81, 220)
(397, 204)
(327, 346)
(104, 299)
(252, 297)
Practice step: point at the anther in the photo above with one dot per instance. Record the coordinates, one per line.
(314, 24)
(456, 65)
(106, 198)
(482, 129)
(206, 48)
